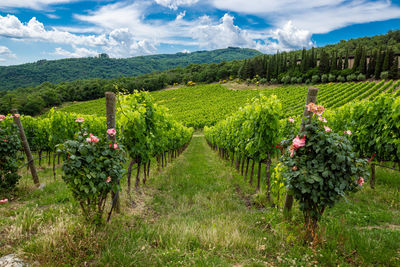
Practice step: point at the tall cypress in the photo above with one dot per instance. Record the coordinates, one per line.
(346, 60)
(340, 63)
(379, 62)
(386, 61)
(371, 64)
(363, 62)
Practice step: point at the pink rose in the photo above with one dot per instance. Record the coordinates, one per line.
(297, 142)
(360, 181)
(2, 117)
(348, 132)
(111, 132)
(327, 129)
(88, 140)
(4, 200)
(115, 146)
(108, 179)
(79, 119)
(94, 139)
(16, 115)
(291, 120)
(322, 119)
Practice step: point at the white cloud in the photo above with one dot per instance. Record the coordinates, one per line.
(174, 4)
(5, 53)
(291, 37)
(33, 4)
(12, 27)
(320, 16)
(118, 43)
(77, 53)
(210, 35)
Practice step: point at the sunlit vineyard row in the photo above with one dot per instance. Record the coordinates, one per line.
(203, 105)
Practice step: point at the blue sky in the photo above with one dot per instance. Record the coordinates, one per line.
(31, 30)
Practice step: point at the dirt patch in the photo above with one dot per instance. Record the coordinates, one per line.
(244, 86)
(246, 198)
(385, 226)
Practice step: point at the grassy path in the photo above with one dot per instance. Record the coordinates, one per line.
(196, 217)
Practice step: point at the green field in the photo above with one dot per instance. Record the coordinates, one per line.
(207, 104)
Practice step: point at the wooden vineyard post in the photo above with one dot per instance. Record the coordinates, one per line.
(372, 181)
(27, 149)
(311, 97)
(110, 114)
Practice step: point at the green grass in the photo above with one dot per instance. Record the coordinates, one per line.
(196, 212)
(207, 104)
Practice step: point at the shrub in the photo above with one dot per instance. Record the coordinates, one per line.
(274, 81)
(293, 80)
(331, 78)
(361, 77)
(308, 81)
(286, 79)
(9, 146)
(315, 79)
(263, 80)
(92, 168)
(384, 75)
(299, 80)
(321, 167)
(324, 78)
(351, 77)
(341, 79)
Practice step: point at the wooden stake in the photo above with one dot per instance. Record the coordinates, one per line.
(27, 149)
(110, 115)
(311, 97)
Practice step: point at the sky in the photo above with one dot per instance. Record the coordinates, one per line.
(32, 30)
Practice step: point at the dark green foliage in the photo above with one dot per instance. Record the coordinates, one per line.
(103, 67)
(9, 146)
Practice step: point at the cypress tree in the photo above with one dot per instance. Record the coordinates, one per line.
(386, 61)
(357, 58)
(378, 65)
(393, 73)
(340, 63)
(324, 62)
(313, 59)
(333, 63)
(371, 64)
(363, 62)
(346, 60)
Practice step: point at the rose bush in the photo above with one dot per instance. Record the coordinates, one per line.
(320, 168)
(92, 167)
(9, 147)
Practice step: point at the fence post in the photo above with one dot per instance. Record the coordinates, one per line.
(27, 149)
(311, 97)
(110, 113)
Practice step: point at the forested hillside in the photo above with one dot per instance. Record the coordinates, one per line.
(71, 69)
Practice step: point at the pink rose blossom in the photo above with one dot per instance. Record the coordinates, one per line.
(111, 132)
(4, 200)
(291, 120)
(327, 129)
(95, 139)
(348, 132)
(16, 115)
(115, 146)
(108, 179)
(322, 119)
(109, 145)
(297, 142)
(79, 119)
(2, 117)
(88, 140)
(360, 181)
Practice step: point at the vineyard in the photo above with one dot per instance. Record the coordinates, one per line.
(259, 185)
(205, 105)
